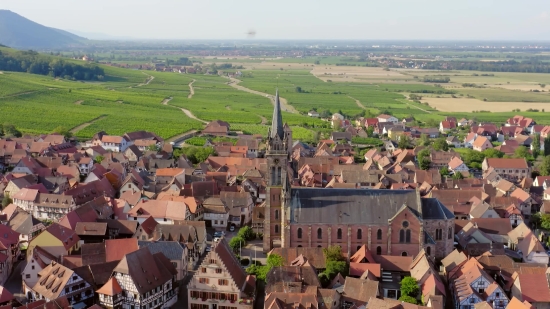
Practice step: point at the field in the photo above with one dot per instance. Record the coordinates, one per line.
(128, 100)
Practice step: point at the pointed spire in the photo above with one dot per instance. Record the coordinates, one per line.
(277, 121)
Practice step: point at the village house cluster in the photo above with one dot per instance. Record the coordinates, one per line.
(119, 221)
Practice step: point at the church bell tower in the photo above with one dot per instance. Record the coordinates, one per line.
(277, 183)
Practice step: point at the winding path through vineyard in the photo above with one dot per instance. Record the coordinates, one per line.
(357, 102)
(86, 124)
(284, 103)
(149, 80)
(190, 115)
(191, 90)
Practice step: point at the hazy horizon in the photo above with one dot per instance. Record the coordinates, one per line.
(423, 20)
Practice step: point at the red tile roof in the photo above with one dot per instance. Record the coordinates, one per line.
(534, 288)
(504, 163)
(116, 249)
(110, 288)
(357, 269)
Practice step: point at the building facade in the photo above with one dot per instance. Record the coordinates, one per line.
(389, 222)
(221, 282)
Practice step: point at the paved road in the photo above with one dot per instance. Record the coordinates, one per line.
(14, 284)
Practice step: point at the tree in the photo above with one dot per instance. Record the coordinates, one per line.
(246, 233)
(424, 140)
(546, 145)
(536, 145)
(298, 89)
(335, 267)
(409, 288)
(63, 131)
(440, 144)
(6, 200)
(545, 222)
(370, 131)
(333, 253)
(522, 152)
(274, 260)
(236, 243)
(458, 175)
(492, 153)
(99, 159)
(404, 142)
(544, 167)
(423, 158)
(10, 130)
(408, 299)
(444, 171)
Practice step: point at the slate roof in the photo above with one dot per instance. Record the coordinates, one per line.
(146, 270)
(359, 290)
(23, 222)
(93, 253)
(433, 209)
(171, 249)
(278, 277)
(348, 206)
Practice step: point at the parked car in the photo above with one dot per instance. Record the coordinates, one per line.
(232, 228)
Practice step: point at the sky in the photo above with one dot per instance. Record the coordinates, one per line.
(295, 19)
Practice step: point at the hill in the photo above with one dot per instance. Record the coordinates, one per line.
(19, 32)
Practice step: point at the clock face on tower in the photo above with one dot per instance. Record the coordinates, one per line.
(276, 161)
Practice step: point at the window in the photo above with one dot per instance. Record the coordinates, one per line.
(438, 234)
(403, 253)
(405, 224)
(359, 234)
(497, 294)
(378, 250)
(223, 282)
(450, 233)
(481, 291)
(319, 233)
(401, 235)
(408, 236)
(204, 280)
(299, 233)
(203, 270)
(428, 251)
(28, 276)
(339, 234)
(379, 234)
(218, 270)
(276, 229)
(276, 214)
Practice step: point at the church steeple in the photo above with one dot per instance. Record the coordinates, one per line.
(277, 121)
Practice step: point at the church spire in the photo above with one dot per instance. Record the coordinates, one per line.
(277, 121)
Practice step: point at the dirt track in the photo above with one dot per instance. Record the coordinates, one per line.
(284, 103)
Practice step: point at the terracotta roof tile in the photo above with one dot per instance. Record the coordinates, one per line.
(116, 249)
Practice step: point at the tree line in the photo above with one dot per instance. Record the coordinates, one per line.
(526, 66)
(33, 62)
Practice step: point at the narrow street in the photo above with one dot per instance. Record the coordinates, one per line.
(14, 284)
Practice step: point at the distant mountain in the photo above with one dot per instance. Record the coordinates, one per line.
(19, 32)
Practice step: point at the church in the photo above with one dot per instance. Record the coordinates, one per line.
(388, 222)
